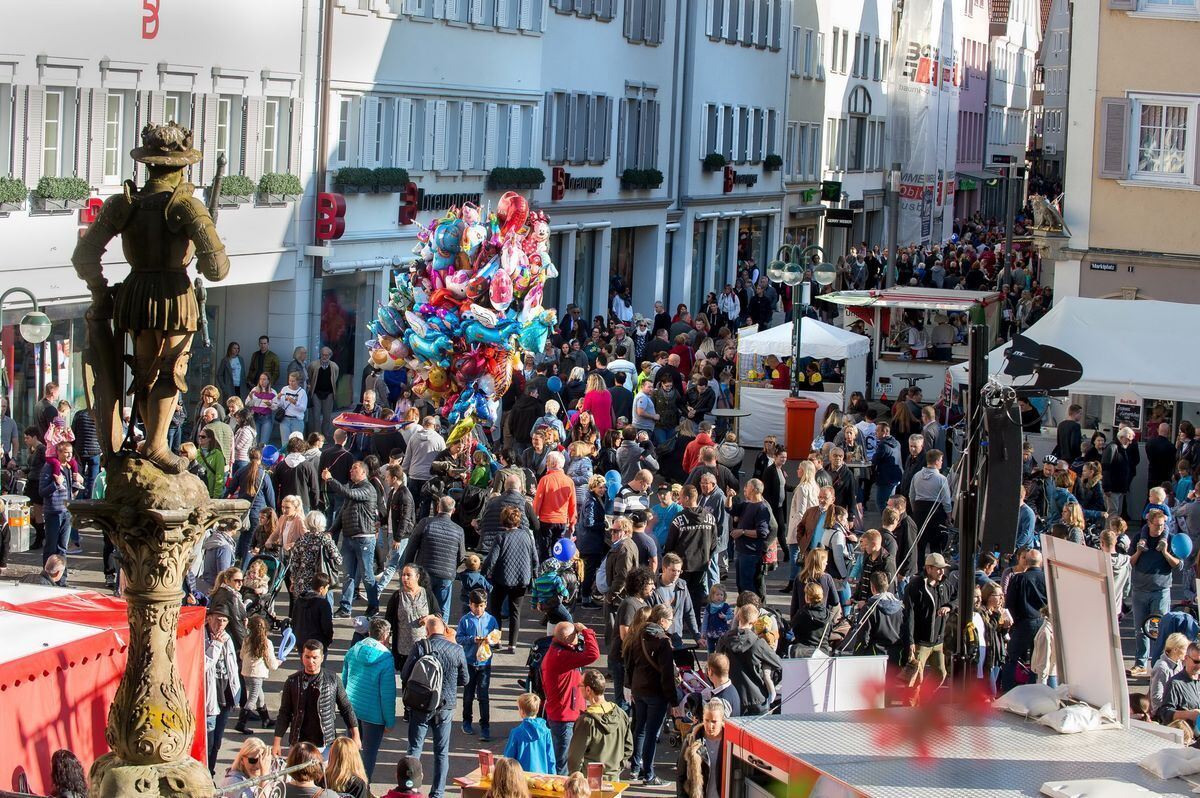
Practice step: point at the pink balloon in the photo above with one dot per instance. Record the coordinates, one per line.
(512, 210)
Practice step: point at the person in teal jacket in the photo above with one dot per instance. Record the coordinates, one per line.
(529, 742)
(369, 673)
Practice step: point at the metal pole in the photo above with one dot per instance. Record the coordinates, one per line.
(3, 356)
(968, 507)
(1010, 214)
(893, 230)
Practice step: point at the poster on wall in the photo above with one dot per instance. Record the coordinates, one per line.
(1127, 412)
(922, 116)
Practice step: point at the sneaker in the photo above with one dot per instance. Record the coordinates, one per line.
(342, 614)
(467, 728)
(75, 550)
(653, 781)
(485, 734)
(1138, 672)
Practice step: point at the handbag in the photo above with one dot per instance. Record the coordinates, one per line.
(280, 413)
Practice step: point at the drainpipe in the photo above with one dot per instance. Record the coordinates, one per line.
(322, 162)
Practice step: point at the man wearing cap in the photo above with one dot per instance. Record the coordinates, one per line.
(927, 602)
(221, 681)
(408, 778)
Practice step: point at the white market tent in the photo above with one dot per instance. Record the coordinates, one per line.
(1124, 346)
(817, 340)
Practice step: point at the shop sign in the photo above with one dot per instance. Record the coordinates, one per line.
(1127, 412)
(89, 213)
(733, 178)
(1103, 267)
(150, 19)
(839, 217)
(331, 216)
(967, 184)
(561, 182)
(414, 200)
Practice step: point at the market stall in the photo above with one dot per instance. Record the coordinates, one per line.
(63, 659)
(817, 340)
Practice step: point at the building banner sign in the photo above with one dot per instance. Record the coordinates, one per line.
(923, 118)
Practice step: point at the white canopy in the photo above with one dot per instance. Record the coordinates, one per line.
(1124, 346)
(817, 340)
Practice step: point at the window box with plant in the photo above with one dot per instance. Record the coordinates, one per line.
(506, 178)
(13, 193)
(61, 194)
(275, 188)
(390, 179)
(354, 180)
(772, 163)
(641, 179)
(714, 162)
(236, 190)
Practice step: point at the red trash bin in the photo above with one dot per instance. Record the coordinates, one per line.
(799, 417)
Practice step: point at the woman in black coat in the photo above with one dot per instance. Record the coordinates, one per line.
(510, 566)
(650, 673)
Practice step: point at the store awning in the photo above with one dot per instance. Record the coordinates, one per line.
(817, 339)
(916, 298)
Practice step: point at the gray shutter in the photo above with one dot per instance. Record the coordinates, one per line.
(430, 112)
(35, 110)
(1114, 137)
(18, 139)
(295, 127)
(548, 123)
(1122, 5)
(491, 136)
(95, 170)
(208, 139)
(158, 107)
(606, 149)
(252, 160)
(83, 133)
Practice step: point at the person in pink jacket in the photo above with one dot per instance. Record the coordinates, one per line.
(598, 402)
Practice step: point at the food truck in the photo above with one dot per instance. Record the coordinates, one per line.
(902, 322)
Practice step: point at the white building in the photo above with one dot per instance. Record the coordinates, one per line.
(858, 52)
(1054, 59)
(803, 165)
(733, 89)
(1015, 35)
(73, 98)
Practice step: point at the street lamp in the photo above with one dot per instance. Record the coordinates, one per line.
(34, 328)
(790, 272)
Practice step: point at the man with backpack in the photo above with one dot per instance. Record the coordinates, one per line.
(432, 676)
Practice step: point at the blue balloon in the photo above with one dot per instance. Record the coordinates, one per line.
(563, 550)
(612, 482)
(269, 455)
(1181, 545)
(555, 384)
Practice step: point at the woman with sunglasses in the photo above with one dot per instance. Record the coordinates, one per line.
(252, 761)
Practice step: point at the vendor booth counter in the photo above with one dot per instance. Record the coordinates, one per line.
(64, 654)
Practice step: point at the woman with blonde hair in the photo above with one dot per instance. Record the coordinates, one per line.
(288, 527)
(598, 401)
(345, 773)
(577, 786)
(508, 780)
(1072, 516)
(803, 497)
(816, 563)
(210, 396)
(574, 387)
(253, 760)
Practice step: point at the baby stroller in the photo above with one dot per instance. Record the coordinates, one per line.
(264, 604)
(693, 686)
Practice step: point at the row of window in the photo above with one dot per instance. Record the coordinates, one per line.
(1007, 126)
(754, 23)
(740, 133)
(1010, 65)
(808, 53)
(856, 143)
(970, 136)
(59, 131)
(802, 152)
(1056, 80)
(525, 15)
(1052, 121)
(869, 63)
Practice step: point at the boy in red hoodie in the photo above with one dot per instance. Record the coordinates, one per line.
(561, 682)
(408, 779)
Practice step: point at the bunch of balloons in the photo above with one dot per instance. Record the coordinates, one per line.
(462, 313)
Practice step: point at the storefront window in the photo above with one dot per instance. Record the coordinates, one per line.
(339, 328)
(801, 235)
(668, 271)
(716, 277)
(28, 367)
(620, 272)
(699, 258)
(552, 289)
(752, 243)
(585, 263)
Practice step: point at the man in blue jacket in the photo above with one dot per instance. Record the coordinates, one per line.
(889, 470)
(57, 492)
(440, 720)
(1027, 537)
(369, 674)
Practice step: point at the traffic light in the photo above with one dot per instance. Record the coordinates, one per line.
(331, 216)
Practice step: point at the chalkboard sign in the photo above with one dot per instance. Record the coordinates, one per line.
(1127, 413)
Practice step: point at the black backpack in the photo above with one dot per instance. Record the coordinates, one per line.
(423, 687)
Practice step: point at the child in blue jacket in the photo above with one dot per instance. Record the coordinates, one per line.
(477, 633)
(529, 742)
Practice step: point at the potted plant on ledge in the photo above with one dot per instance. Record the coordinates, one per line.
(61, 193)
(13, 193)
(772, 163)
(354, 180)
(275, 188)
(641, 179)
(390, 179)
(714, 162)
(236, 190)
(516, 179)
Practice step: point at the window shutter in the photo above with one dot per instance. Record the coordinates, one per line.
(466, 137)
(369, 131)
(525, 14)
(1114, 132)
(440, 110)
(452, 10)
(736, 128)
(718, 18)
(514, 136)
(776, 24)
(83, 134)
(252, 159)
(403, 142)
(491, 135)
(606, 139)
(141, 110)
(1122, 5)
(764, 22)
(208, 141)
(476, 11)
(295, 126)
(650, 119)
(158, 106)
(502, 13)
(595, 120)
(548, 128)
(428, 109)
(734, 25)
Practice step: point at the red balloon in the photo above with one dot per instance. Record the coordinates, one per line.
(513, 211)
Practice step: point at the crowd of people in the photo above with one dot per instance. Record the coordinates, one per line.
(610, 505)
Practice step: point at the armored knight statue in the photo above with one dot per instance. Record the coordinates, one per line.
(162, 227)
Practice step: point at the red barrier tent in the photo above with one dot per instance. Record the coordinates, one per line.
(62, 659)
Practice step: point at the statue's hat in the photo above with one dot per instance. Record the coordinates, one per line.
(166, 145)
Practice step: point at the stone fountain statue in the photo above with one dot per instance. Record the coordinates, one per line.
(153, 511)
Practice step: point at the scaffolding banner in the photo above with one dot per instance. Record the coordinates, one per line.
(923, 119)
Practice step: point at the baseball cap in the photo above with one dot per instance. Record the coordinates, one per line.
(408, 773)
(936, 560)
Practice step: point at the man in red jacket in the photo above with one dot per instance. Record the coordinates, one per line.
(562, 678)
(691, 454)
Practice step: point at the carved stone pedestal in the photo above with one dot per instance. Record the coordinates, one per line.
(154, 519)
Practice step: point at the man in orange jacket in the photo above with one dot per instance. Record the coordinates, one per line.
(554, 504)
(561, 680)
(691, 453)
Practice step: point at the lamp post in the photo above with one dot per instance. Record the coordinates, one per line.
(34, 328)
(791, 273)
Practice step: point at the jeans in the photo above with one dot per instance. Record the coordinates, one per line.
(322, 415)
(175, 438)
(443, 589)
(750, 575)
(391, 566)
(58, 531)
(372, 738)
(419, 725)
(287, 427)
(358, 554)
(241, 557)
(883, 492)
(696, 589)
(478, 686)
(1145, 603)
(262, 425)
(216, 733)
(91, 469)
(561, 732)
(797, 561)
(1020, 648)
(648, 716)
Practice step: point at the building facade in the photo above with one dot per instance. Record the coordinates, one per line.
(803, 158)
(1054, 73)
(1013, 45)
(1132, 177)
(973, 28)
(73, 99)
